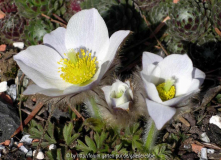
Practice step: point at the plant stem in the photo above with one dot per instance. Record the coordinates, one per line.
(150, 135)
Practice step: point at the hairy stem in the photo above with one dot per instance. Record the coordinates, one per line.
(150, 135)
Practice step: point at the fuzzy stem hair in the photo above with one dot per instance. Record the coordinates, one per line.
(150, 135)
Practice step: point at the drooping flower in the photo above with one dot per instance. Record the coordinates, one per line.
(168, 83)
(73, 59)
(118, 95)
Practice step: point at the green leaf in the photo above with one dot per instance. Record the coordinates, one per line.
(82, 146)
(49, 139)
(67, 132)
(35, 133)
(218, 98)
(59, 154)
(118, 147)
(68, 157)
(95, 124)
(73, 138)
(40, 128)
(135, 127)
(91, 144)
(50, 129)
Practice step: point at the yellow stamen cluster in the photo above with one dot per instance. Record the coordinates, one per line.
(78, 67)
(164, 94)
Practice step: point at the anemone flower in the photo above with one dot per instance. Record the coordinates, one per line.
(118, 95)
(73, 59)
(168, 83)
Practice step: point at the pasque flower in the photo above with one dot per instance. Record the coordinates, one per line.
(168, 82)
(73, 59)
(118, 95)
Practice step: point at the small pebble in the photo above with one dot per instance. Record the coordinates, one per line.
(215, 120)
(26, 139)
(2, 147)
(3, 86)
(4, 151)
(40, 155)
(211, 151)
(19, 45)
(25, 81)
(204, 137)
(3, 46)
(203, 154)
(52, 146)
(11, 143)
(29, 154)
(12, 91)
(23, 149)
(7, 142)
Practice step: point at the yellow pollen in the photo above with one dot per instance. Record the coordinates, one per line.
(78, 67)
(166, 95)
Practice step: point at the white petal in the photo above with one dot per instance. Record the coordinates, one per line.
(76, 89)
(195, 84)
(121, 100)
(198, 74)
(180, 67)
(160, 113)
(39, 63)
(34, 89)
(3, 86)
(107, 92)
(56, 40)
(124, 106)
(115, 41)
(119, 86)
(151, 91)
(152, 74)
(87, 29)
(150, 58)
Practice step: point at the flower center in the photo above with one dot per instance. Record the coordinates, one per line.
(78, 67)
(166, 90)
(117, 94)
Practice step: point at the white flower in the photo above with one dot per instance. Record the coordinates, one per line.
(73, 59)
(168, 83)
(119, 95)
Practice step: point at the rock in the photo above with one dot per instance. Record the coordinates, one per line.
(9, 120)
(204, 137)
(214, 133)
(29, 154)
(40, 155)
(210, 151)
(12, 91)
(11, 143)
(2, 147)
(215, 120)
(25, 82)
(19, 45)
(26, 139)
(23, 149)
(52, 146)
(203, 154)
(3, 86)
